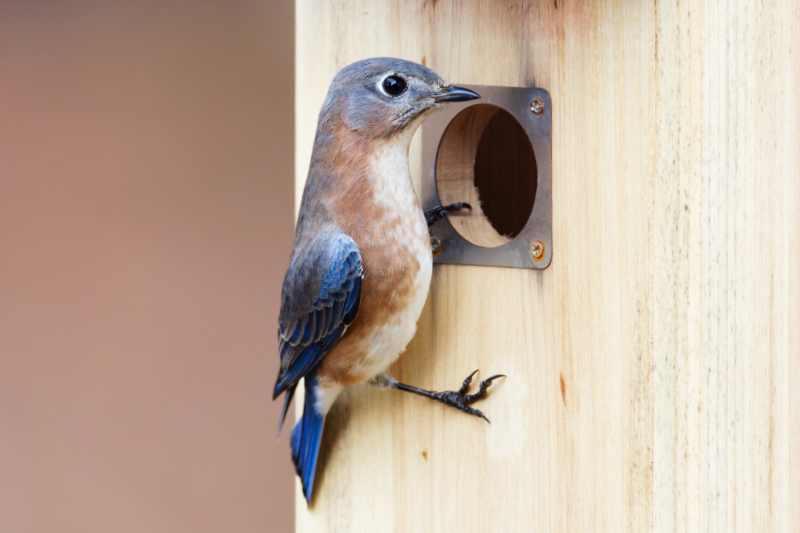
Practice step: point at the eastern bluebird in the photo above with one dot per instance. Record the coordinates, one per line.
(361, 266)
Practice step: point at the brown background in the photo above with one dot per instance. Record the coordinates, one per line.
(145, 221)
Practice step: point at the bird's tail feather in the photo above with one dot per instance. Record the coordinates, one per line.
(306, 438)
(287, 400)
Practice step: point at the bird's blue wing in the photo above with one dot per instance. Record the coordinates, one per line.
(321, 295)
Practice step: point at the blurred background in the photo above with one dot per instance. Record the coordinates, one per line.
(146, 215)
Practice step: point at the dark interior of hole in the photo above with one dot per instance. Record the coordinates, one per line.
(505, 174)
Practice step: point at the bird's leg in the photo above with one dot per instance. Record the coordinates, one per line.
(458, 399)
(437, 213)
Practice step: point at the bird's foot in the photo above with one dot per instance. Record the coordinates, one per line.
(458, 399)
(437, 213)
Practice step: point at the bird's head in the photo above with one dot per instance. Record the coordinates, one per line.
(382, 97)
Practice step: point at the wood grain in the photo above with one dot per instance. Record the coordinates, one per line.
(654, 367)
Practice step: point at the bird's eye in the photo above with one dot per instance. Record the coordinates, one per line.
(394, 85)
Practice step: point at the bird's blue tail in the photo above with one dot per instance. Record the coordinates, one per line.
(306, 437)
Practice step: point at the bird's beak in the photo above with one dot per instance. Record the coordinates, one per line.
(455, 94)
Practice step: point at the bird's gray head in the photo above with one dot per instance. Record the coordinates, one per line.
(383, 96)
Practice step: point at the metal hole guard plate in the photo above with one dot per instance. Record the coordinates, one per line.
(517, 253)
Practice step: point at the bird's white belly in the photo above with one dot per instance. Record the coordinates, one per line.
(384, 343)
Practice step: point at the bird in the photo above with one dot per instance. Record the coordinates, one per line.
(360, 269)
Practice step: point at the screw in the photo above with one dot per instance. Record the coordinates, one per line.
(537, 106)
(436, 245)
(537, 251)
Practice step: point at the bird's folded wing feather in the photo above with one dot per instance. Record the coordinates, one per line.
(321, 295)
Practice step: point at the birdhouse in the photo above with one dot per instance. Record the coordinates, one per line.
(631, 264)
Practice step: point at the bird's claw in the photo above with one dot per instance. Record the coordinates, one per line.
(461, 400)
(437, 213)
(465, 386)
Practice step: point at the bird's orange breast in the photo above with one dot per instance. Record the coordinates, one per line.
(385, 220)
